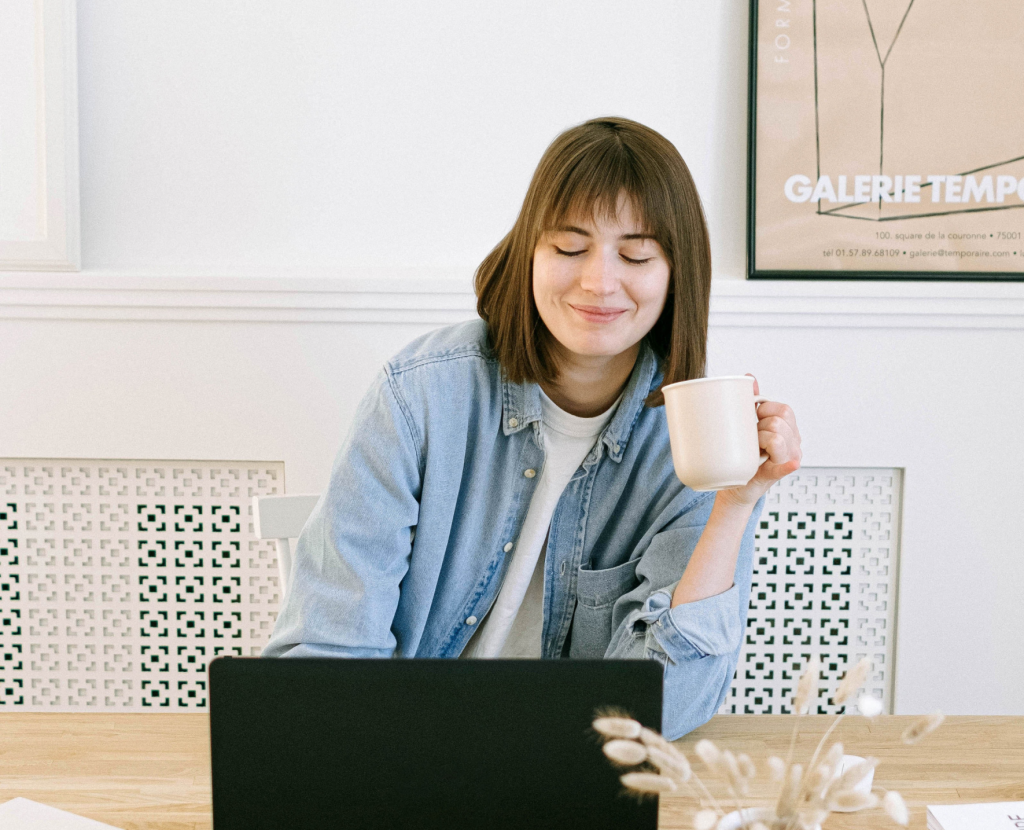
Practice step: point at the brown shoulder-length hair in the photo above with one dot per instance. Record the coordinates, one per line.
(582, 172)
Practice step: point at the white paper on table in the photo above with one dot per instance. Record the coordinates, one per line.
(22, 814)
(1002, 815)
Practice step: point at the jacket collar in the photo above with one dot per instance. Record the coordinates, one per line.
(521, 403)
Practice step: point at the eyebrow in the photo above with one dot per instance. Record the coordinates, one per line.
(581, 232)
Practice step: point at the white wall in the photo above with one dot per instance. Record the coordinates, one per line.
(277, 197)
(228, 136)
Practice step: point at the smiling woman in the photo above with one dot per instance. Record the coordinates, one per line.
(507, 487)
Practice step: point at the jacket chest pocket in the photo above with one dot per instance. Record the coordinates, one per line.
(596, 594)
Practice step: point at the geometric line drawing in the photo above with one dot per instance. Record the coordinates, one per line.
(826, 562)
(838, 211)
(121, 579)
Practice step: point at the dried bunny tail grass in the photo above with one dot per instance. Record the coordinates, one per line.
(625, 753)
(786, 805)
(651, 738)
(617, 727)
(852, 681)
(776, 768)
(895, 808)
(818, 778)
(747, 768)
(851, 801)
(807, 688)
(648, 782)
(731, 767)
(869, 706)
(705, 820)
(710, 754)
(758, 825)
(673, 765)
(834, 754)
(812, 817)
(923, 726)
(665, 755)
(853, 776)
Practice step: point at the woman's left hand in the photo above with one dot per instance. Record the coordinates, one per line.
(778, 435)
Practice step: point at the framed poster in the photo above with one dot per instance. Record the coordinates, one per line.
(886, 139)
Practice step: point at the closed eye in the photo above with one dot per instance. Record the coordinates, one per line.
(637, 261)
(570, 253)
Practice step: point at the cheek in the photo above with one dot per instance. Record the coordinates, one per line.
(549, 279)
(652, 293)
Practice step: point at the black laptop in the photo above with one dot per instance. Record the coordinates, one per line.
(311, 744)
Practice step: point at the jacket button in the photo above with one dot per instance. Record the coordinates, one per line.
(508, 547)
(530, 473)
(470, 620)
(562, 569)
(513, 422)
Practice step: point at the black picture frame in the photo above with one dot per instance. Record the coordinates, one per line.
(753, 273)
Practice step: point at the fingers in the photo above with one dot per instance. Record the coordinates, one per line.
(774, 409)
(784, 455)
(778, 435)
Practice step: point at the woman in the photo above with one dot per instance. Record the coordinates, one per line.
(507, 486)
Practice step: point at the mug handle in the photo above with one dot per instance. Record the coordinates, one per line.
(760, 399)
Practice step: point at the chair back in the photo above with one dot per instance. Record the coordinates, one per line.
(282, 518)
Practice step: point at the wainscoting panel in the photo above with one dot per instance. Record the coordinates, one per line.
(121, 580)
(825, 579)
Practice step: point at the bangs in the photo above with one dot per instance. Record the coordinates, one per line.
(592, 186)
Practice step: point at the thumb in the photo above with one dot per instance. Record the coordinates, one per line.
(757, 390)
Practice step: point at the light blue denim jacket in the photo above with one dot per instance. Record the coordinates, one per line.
(407, 548)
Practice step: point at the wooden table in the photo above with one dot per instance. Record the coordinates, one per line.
(152, 771)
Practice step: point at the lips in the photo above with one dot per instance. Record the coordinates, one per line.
(597, 314)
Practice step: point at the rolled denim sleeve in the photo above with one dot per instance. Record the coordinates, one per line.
(354, 550)
(698, 643)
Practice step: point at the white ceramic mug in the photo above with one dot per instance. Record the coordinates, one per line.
(864, 787)
(712, 426)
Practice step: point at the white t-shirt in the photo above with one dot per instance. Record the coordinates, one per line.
(515, 622)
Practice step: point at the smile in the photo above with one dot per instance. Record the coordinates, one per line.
(597, 314)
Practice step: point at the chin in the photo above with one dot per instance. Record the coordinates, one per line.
(596, 346)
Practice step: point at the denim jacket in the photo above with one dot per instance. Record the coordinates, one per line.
(407, 548)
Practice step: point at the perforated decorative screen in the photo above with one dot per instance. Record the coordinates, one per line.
(825, 571)
(120, 580)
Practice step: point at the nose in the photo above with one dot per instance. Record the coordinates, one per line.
(599, 276)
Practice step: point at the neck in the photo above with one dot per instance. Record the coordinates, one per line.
(587, 385)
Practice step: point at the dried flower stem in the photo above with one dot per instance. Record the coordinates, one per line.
(673, 774)
(806, 688)
(812, 765)
(732, 774)
(654, 739)
(792, 741)
(711, 799)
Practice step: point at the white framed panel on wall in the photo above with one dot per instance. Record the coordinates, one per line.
(39, 211)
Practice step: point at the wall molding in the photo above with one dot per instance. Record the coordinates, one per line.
(438, 296)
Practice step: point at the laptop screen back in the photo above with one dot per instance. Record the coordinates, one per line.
(354, 744)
